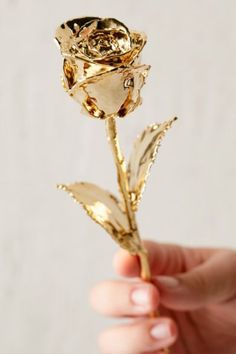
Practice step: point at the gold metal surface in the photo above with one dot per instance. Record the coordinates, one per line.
(101, 68)
(102, 71)
(106, 210)
(142, 157)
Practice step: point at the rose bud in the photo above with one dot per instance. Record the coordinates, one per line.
(101, 67)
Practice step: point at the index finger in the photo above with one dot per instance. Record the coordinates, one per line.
(165, 259)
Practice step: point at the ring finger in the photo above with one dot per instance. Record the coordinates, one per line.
(142, 336)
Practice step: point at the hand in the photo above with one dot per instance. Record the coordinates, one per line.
(194, 290)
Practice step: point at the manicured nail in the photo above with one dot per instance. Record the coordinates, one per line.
(161, 331)
(140, 296)
(168, 282)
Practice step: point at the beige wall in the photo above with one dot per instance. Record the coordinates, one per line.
(50, 252)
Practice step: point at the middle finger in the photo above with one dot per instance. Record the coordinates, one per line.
(123, 298)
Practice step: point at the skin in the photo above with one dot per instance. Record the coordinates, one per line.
(194, 291)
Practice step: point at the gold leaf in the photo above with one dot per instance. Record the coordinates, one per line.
(142, 157)
(104, 208)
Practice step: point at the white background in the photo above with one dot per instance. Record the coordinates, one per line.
(50, 252)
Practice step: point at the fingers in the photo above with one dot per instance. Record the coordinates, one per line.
(120, 298)
(143, 336)
(212, 282)
(164, 259)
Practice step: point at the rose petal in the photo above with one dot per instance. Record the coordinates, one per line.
(114, 93)
(68, 33)
(76, 24)
(139, 40)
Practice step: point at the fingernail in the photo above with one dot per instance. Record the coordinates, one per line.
(140, 296)
(161, 331)
(168, 282)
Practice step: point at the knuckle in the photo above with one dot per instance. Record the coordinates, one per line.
(200, 285)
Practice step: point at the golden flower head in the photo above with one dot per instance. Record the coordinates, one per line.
(102, 67)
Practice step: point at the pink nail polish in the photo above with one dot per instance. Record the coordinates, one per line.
(161, 331)
(140, 297)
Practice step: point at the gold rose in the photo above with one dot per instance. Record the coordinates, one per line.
(102, 71)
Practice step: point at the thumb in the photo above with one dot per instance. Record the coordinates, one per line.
(212, 282)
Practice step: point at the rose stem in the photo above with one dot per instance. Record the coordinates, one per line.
(112, 136)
